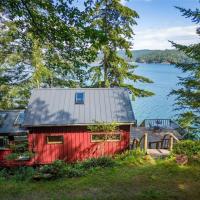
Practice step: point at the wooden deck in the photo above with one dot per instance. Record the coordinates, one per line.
(156, 136)
(138, 132)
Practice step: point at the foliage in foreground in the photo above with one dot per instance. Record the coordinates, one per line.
(163, 181)
(133, 158)
(58, 169)
(188, 95)
(189, 148)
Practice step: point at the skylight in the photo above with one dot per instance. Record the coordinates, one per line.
(79, 98)
(20, 118)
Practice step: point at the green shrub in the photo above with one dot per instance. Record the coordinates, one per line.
(72, 171)
(56, 169)
(98, 162)
(3, 174)
(134, 157)
(22, 173)
(189, 148)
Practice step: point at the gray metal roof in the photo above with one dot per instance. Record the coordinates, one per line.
(56, 106)
(8, 126)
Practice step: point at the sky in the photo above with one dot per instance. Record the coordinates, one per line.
(160, 21)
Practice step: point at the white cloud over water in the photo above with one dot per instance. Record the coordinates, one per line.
(158, 38)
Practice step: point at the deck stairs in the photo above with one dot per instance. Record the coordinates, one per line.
(158, 153)
(156, 136)
(157, 149)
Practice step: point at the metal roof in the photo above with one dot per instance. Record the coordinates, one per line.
(8, 127)
(56, 106)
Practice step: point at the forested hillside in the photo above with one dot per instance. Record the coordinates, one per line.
(155, 56)
(160, 56)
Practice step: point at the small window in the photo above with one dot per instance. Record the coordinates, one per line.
(55, 139)
(105, 137)
(79, 98)
(4, 142)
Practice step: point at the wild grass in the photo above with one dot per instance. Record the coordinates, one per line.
(134, 176)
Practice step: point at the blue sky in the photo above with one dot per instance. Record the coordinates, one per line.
(159, 22)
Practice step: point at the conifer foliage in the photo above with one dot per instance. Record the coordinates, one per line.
(188, 95)
(115, 22)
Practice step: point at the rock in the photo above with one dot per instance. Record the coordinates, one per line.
(181, 159)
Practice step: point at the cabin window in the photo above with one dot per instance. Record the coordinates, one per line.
(100, 137)
(79, 98)
(55, 139)
(4, 142)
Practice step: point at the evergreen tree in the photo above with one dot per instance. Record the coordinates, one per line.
(114, 23)
(188, 95)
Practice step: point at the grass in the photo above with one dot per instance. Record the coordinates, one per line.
(129, 179)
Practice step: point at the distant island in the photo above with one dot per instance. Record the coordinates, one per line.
(160, 56)
(155, 56)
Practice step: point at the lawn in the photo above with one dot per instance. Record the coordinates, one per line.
(153, 180)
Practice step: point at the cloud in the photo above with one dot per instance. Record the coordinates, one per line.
(123, 2)
(158, 38)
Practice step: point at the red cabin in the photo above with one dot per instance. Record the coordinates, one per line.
(57, 123)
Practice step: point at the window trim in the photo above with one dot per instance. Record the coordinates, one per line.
(56, 142)
(82, 102)
(106, 140)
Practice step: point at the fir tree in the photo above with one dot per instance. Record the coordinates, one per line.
(114, 22)
(188, 95)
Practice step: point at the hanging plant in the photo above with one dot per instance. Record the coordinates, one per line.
(20, 152)
(103, 127)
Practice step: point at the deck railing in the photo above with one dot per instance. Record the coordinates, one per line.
(162, 123)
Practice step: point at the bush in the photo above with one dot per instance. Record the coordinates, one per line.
(98, 162)
(58, 169)
(73, 171)
(55, 170)
(134, 157)
(17, 174)
(3, 174)
(189, 148)
(22, 173)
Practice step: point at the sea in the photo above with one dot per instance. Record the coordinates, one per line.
(161, 105)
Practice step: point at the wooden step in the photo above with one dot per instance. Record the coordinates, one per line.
(156, 153)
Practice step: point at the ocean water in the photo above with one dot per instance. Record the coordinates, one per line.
(160, 105)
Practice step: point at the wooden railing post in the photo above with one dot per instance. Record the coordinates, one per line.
(171, 140)
(145, 142)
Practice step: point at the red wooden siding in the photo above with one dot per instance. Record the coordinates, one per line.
(77, 144)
